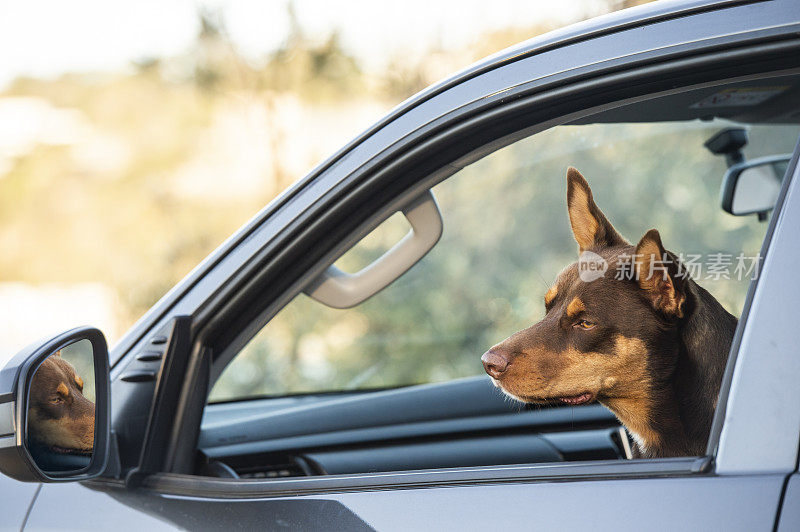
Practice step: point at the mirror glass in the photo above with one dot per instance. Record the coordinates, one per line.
(61, 410)
(757, 188)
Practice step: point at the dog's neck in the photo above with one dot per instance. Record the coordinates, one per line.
(654, 424)
(706, 338)
(674, 418)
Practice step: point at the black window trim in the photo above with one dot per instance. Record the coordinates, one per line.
(219, 488)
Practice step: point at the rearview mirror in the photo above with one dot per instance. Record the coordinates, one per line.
(54, 409)
(752, 187)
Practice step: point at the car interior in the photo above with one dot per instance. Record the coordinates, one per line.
(454, 416)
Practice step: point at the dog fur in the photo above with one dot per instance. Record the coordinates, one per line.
(651, 348)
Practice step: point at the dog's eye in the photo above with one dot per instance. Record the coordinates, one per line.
(584, 324)
(56, 399)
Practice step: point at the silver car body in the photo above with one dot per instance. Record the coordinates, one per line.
(749, 480)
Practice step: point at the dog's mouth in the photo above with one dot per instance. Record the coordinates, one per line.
(68, 450)
(572, 400)
(580, 399)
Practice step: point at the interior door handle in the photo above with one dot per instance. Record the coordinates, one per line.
(339, 289)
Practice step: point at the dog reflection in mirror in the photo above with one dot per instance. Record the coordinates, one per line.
(60, 418)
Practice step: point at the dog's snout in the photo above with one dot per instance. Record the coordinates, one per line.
(494, 362)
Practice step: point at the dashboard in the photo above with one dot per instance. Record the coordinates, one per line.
(461, 423)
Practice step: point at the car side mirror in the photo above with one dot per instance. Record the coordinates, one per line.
(54, 409)
(752, 187)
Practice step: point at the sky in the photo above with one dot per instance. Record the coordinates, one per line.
(47, 38)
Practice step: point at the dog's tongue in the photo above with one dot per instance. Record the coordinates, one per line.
(577, 399)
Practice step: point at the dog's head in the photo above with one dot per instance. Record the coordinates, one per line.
(59, 416)
(611, 319)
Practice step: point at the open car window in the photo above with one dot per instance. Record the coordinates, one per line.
(506, 237)
(399, 382)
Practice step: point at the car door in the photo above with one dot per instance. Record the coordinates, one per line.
(187, 339)
(742, 490)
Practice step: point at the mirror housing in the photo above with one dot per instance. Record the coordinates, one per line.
(752, 187)
(16, 459)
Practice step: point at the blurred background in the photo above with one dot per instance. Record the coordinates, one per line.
(136, 136)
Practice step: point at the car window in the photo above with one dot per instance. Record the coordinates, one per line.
(506, 237)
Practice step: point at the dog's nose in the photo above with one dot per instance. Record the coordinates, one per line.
(494, 363)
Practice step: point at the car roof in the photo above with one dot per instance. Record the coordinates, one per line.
(580, 31)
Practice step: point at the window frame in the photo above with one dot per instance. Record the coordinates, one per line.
(352, 208)
(727, 461)
(696, 465)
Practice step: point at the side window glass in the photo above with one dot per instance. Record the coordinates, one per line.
(506, 238)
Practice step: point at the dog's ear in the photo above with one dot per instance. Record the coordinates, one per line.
(656, 273)
(57, 353)
(589, 224)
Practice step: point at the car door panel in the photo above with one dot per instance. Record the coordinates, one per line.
(76, 507)
(714, 503)
(704, 503)
(16, 499)
(790, 505)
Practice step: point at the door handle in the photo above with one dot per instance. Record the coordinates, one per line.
(339, 289)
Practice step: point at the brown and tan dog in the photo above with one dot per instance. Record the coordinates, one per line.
(60, 418)
(650, 346)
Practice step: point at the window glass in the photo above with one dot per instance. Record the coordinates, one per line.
(506, 237)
